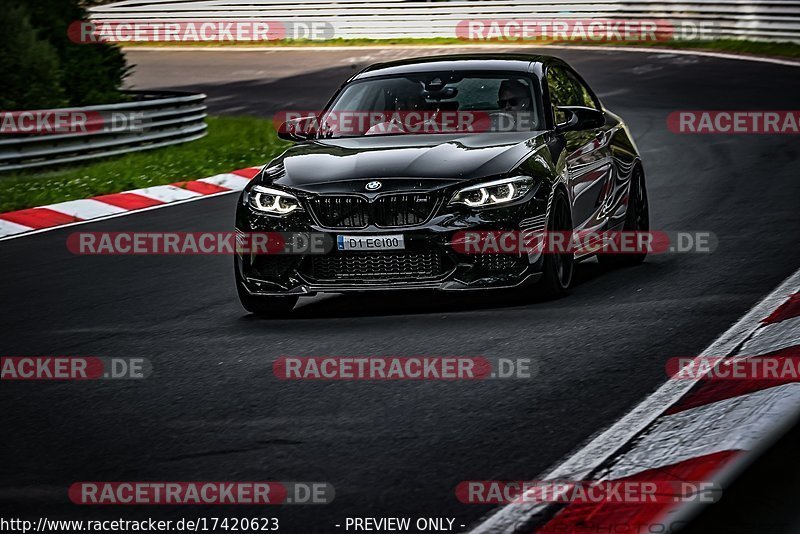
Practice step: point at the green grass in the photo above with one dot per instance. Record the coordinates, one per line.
(232, 143)
(763, 48)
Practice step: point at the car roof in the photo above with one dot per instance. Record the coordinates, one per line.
(465, 62)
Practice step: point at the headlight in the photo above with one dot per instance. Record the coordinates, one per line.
(493, 193)
(273, 201)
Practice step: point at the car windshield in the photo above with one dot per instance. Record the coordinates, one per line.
(432, 103)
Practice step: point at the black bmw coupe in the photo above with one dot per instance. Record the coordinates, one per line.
(408, 155)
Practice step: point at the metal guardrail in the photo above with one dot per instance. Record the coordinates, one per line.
(162, 118)
(777, 20)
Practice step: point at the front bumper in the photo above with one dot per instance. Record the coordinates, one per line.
(428, 262)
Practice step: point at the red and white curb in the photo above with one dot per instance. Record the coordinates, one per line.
(688, 430)
(34, 220)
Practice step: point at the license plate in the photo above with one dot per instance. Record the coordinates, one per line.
(370, 242)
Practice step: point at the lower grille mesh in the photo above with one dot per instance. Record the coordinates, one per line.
(497, 263)
(370, 266)
(269, 266)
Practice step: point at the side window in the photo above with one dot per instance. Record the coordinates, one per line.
(586, 96)
(563, 91)
(566, 90)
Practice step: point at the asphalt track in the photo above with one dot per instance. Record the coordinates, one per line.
(212, 409)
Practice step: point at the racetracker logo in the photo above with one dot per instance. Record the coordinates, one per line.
(586, 491)
(783, 367)
(582, 30)
(401, 122)
(73, 368)
(581, 242)
(196, 31)
(401, 368)
(734, 122)
(198, 243)
(201, 493)
(68, 121)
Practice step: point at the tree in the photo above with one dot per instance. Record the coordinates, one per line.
(41, 57)
(93, 73)
(30, 72)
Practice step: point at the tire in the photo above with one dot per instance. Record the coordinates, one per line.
(637, 219)
(262, 306)
(557, 269)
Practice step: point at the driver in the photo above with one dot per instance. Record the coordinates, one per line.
(513, 95)
(515, 103)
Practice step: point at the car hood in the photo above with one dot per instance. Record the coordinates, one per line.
(404, 162)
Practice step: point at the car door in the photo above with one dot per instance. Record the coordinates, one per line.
(588, 154)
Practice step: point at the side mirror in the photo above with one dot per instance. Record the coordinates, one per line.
(298, 130)
(579, 118)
